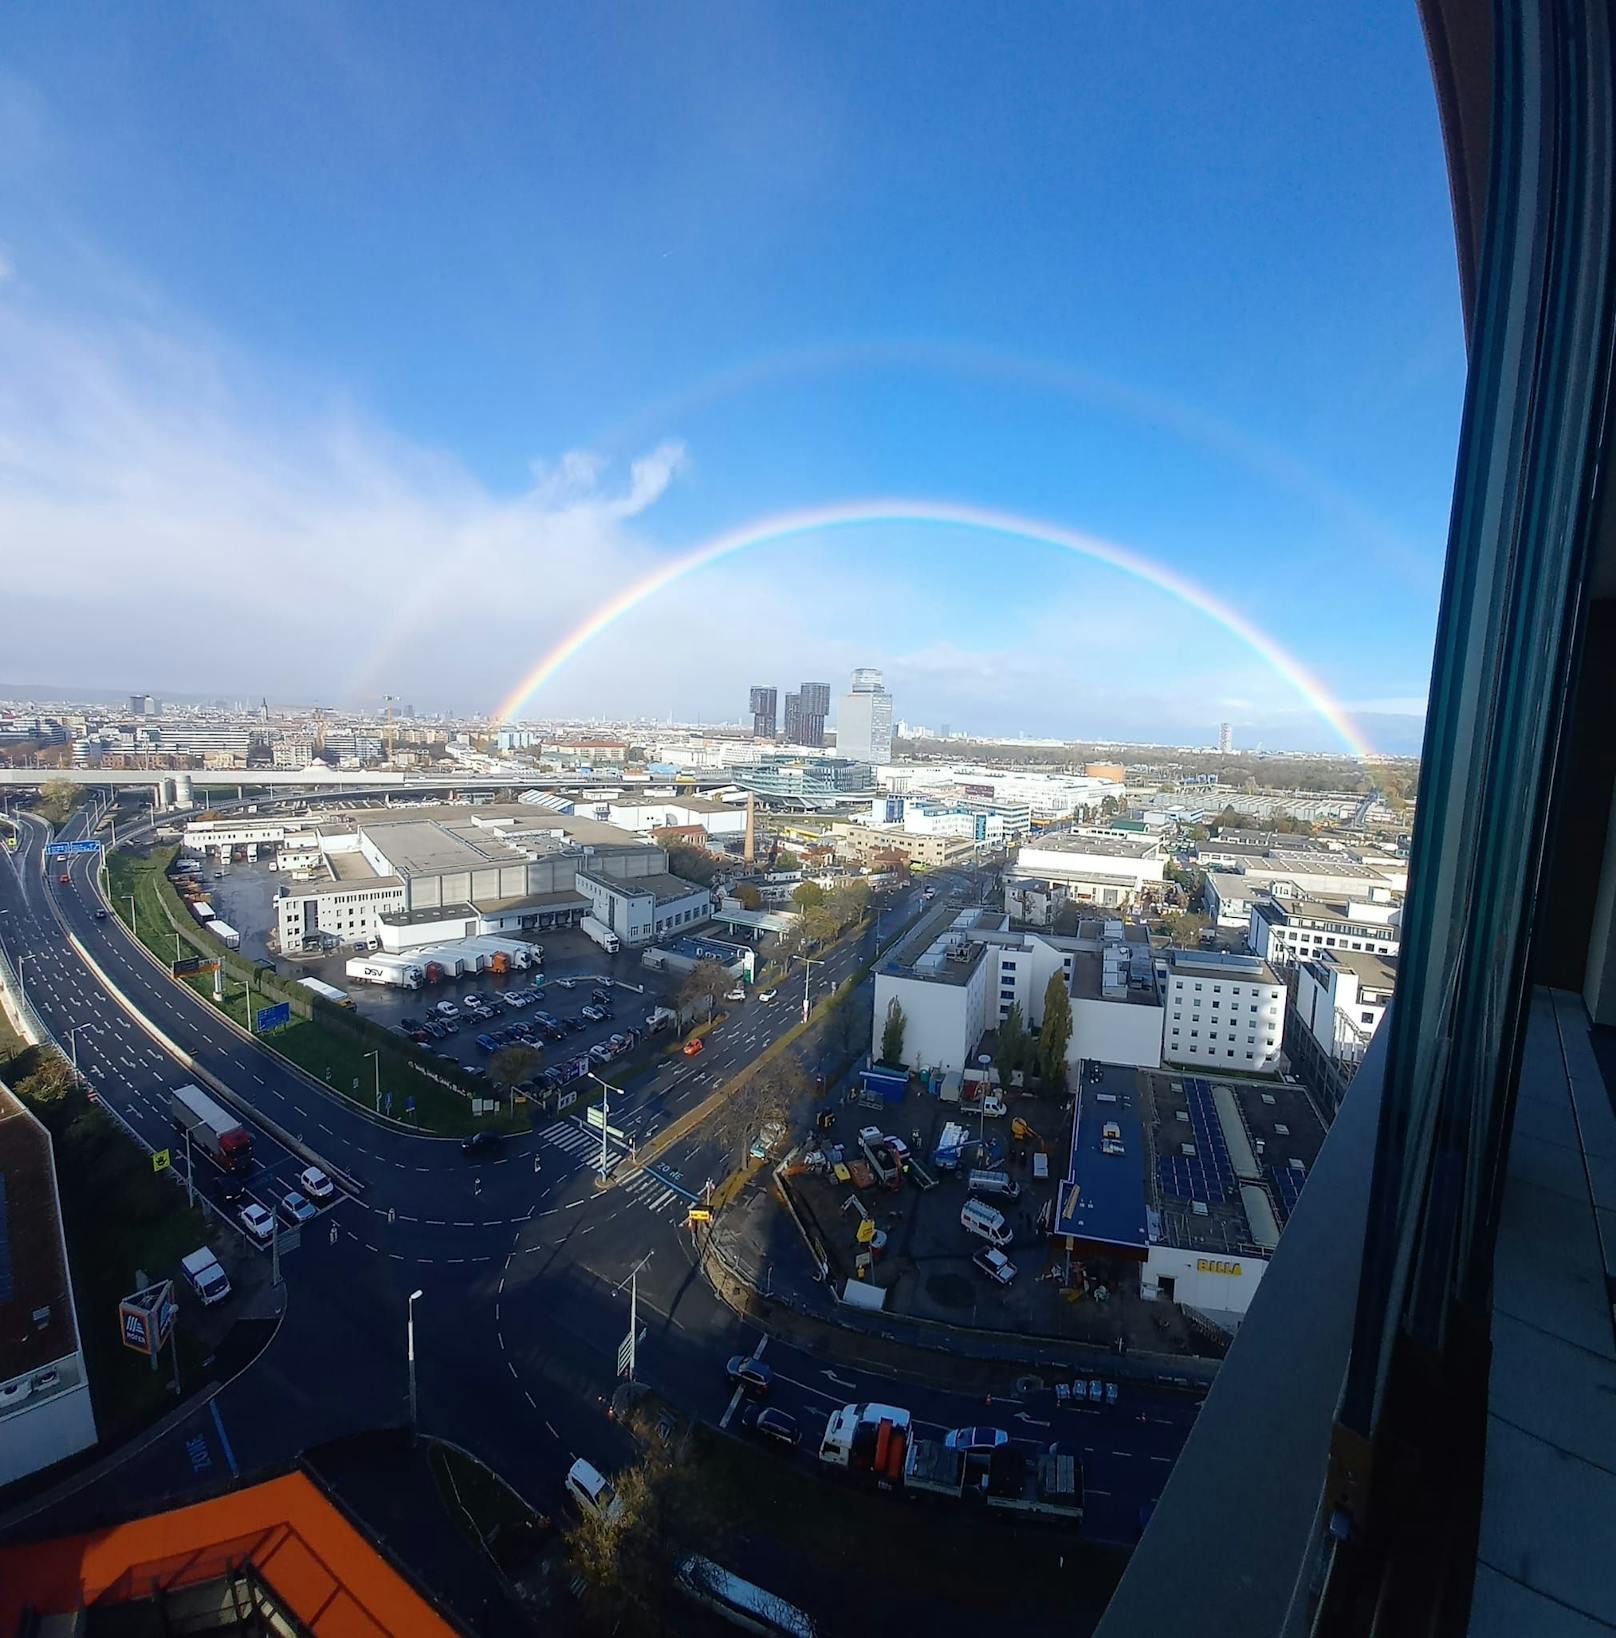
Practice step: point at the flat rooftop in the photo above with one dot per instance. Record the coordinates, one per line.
(1103, 1197)
(350, 867)
(428, 847)
(36, 1300)
(329, 884)
(562, 900)
(665, 888)
(424, 918)
(1378, 972)
(1220, 964)
(1089, 975)
(1114, 847)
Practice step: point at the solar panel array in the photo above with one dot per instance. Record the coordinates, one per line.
(1205, 1175)
(1288, 1181)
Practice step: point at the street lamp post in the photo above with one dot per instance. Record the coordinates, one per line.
(808, 965)
(986, 1063)
(133, 926)
(409, 1327)
(605, 1088)
(377, 1055)
(73, 1043)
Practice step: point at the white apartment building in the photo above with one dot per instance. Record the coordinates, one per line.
(45, 1409)
(1228, 897)
(1047, 797)
(864, 719)
(1286, 930)
(1341, 998)
(718, 819)
(965, 982)
(1221, 1011)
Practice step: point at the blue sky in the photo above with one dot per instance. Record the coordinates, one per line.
(409, 334)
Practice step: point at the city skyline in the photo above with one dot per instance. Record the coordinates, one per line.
(176, 401)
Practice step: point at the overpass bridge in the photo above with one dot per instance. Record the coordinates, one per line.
(301, 781)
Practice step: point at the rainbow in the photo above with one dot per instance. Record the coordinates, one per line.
(852, 514)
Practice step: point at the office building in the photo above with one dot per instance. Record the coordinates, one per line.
(1082, 867)
(45, 1410)
(864, 719)
(142, 705)
(806, 711)
(765, 719)
(808, 782)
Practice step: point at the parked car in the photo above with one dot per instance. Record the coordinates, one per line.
(316, 1185)
(447, 1009)
(995, 1265)
(435, 1029)
(488, 1043)
(420, 1036)
(600, 1052)
(975, 1439)
(750, 1375)
(600, 994)
(1096, 1391)
(594, 1014)
(257, 1222)
(589, 1488)
(772, 1424)
(407, 1024)
(1110, 1393)
(736, 994)
(509, 998)
(295, 1208)
(481, 1143)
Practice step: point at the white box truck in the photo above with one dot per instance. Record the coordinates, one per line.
(318, 986)
(206, 1277)
(602, 935)
(225, 933)
(380, 969)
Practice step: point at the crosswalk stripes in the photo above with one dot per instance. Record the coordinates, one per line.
(646, 1189)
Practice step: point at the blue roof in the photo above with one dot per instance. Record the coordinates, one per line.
(1103, 1197)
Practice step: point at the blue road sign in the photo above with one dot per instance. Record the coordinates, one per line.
(274, 1017)
(409, 1104)
(57, 850)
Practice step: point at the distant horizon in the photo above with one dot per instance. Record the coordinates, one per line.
(40, 694)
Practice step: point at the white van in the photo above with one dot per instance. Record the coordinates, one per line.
(589, 1487)
(999, 1183)
(980, 1219)
(205, 1276)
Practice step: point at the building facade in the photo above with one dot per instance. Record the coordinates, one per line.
(765, 712)
(1221, 1011)
(864, 719)
(806, 711)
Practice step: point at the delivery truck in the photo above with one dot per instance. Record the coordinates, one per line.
(1043, 1486)
(225, 933)
(212, 1129)
(329, 992)
(383, 969)
(206, 1276)
(602, 935)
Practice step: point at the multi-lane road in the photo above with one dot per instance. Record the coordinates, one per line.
(521, 1259)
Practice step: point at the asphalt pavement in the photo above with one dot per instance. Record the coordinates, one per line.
(522, 1262)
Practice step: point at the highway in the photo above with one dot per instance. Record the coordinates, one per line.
(522, 1261)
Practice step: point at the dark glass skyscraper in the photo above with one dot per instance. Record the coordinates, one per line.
(765, 714)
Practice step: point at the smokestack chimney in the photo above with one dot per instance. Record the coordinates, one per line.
(751, 828)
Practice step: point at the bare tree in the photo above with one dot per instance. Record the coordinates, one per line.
(57, 799)
(513, 1065)
(705, 984)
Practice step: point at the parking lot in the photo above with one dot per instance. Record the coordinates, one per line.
(573, 967)
(932, 1268)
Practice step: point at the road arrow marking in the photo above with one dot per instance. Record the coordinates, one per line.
(840, 1381)
(1031, 1421)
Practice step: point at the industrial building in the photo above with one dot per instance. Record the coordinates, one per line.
(492, 869)
(1221, 1010)
(641, 908)
(715, 820)
(45, 1409)
(1082, 867)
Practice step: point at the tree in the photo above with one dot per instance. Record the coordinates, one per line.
(627, 1555)
(819, 925)
(706, 984)
(57, 799)
(892, 1032)
(785, 859)
(1109, 805)
(693, 864)
(1010, 1045)
(1056, 1033)
(767, 1097)
(808, 895)
(513, 1065)
(748, 897)
(849, 903)
(1186, 926)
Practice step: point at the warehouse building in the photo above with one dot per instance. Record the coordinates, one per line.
(510, 868)
(714, 819)
(644, 908)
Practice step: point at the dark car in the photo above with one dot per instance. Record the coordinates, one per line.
(435, 1029)
(768, 1423)
(481, 1143)
(407, 1024)
(751, 1375)
(100, 915)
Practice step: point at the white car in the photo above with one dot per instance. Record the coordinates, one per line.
(736, 994)
(316, 1185)
(993, 1106)
(766, 995)
(258, 1222)
(588, 1486)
